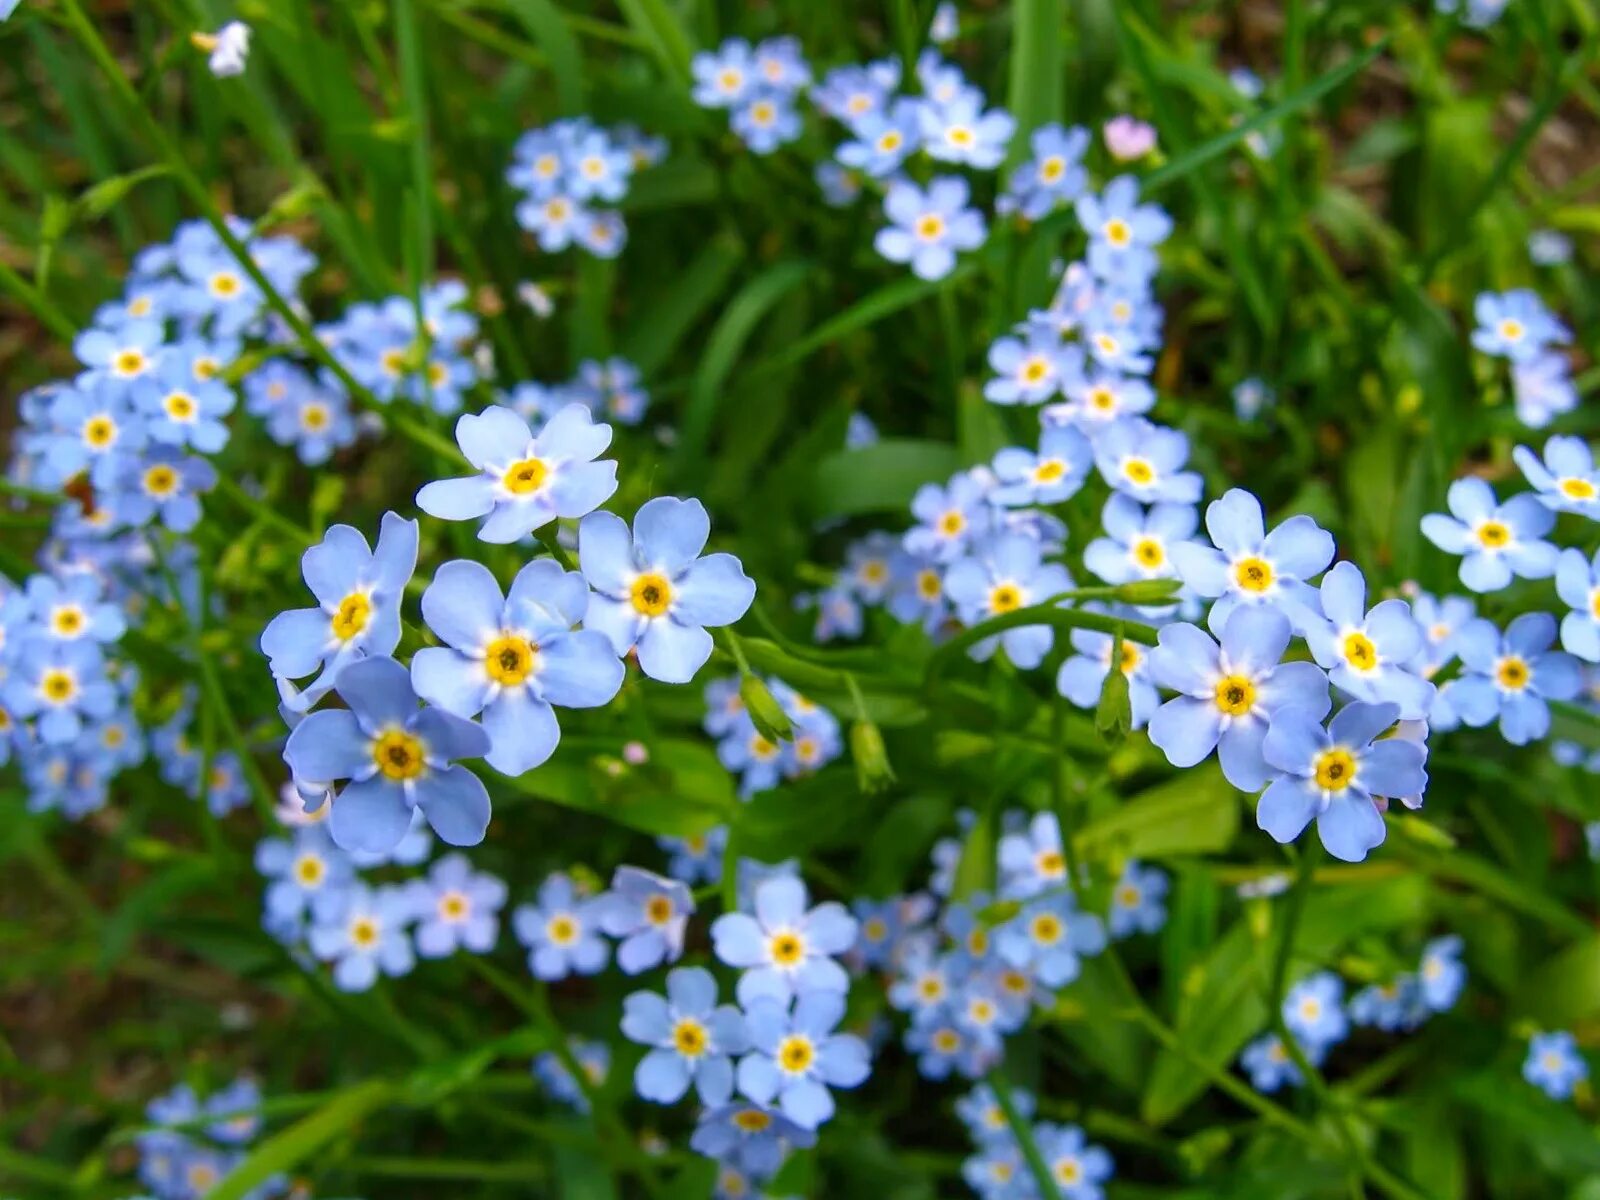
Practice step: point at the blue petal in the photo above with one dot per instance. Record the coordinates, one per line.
(328, 745)
(456, 805)
(457, 499)
(523, 731)
(671, 533)
(1294, 738)
(463, 604)
(1351, 826)
(605, 552)
(662, 1076)
(378, 691)
(1185, 729)
(713, 591)
(294, 641)
(1357, 724)
(370, 815)
(581, 670)
(1286, 808)
(450, 680)
(671, 652)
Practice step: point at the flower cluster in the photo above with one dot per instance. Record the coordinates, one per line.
(758, 85)
(759, 761)
(998, 1169)
(1517, 327)
(194, 1144)
(566, 171)
(1317, 1016)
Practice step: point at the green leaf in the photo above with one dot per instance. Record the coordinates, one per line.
(879, 478)
(665, 35)
(722, 349)
(545, 25)
(682, 790)
(140, 907)
(1565, 988)
(976, 866)
(1037, 70)
(666, 319)
(1195, 814)
(299, 1142)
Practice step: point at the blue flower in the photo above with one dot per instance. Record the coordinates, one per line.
(62, 684)
(768, 120)
(997, 1171)
(164, 483)
(1313, 1010)
(785, 949)
(68, 608)
(985, 1120)
(358, 592)
(1251, 567)
(1122, 232)
(593, 1059)
(927, 228)
(1496, 541)
(1513, 676)
(654, 591)
(238, 1105)
(1136, 901)
(363, 930)
(883, 138)
(1567, 479)
(611, 388)
(1077, 1168)
(1139, 541)
(879, 925)
(942, 1046)
(1099, 397)
(649, 914)
(1029, 369)
(851, 92)
(562, 932)
(795, 1055)
(301, 869)
(1392, 1006)
(122, 355)
(456, 907)
(726, 77)
(315, 420)
(1053, 175)
(1542, 389)
(1440, 619)
(182, 411)
(1251, 397)
(960, 131)
(1146, 461)
(1441, 974)
(1270, 1066)
(1515, 325)
(397, 758)
(524, 480)
(1082, 677)
(1229, 693)
(1365, 653)
(1049, 937)
(512, 657)
(1032, 862)
(949, 518)
(697, 857)
(1052, 475)
(692, 1039)
(1553, 1064)
(92, 427)
(1006, 574)
(1333, 775)
(752, 1137)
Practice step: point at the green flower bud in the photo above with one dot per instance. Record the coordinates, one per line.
(873, 772)
(771, 721)
(1148, 591)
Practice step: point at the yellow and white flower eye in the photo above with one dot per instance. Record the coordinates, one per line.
(1359, 652)
(690, 1038)
(1235, 695)
(509, 659)
(365, 931)
(1005, 597)
(1334, 770)
(129, 363)
(1052, 168)
(1117, 232)
(399, 755)
(99, 431)
(930, 227)
(454, 907)
(352, 616)
(180, 406)
(651, 594)
(796, 1053)
(58, 686)
(160, 481)
(1512, 673)
(1138, 471)
(1253, 574)
(561, 929)
(1494, 535)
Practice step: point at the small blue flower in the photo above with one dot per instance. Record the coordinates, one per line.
(1052, 475)
(1333, 775)
(1006, 574)
(1146, 461)
(726, 77)
(1229, 693)
(654, 591)
(1099, 397)
(985, 1120)
(1366, 653)
(93, 427)
(593, 1059)
(1553, 1064)
(1313, 1010)
(1269, 1065)
(358, 591)
(997, 1171)
(1440, 619)
(1137, 901)
(785, 948)
(795, 1055)
(1496, 541)
(851, 92)
(456, 907)
(883, 139)
(362, 931)
(238, 1105)
(943, 1047)
(1542, 389)
(1054, 173)
(1122, 232)
(960, 131)
(1251, 397)
(562, 932)
(1578, 585)
(649, 913)
(1566, 480)
(1028, 369)
(751, 1137)
(879, 926)
(397, 758)
(315, 420)
(123, 355)
(1139, 541)
(692, 1039)
(1078, 1168)
(1032, 862)
(301, 869)
(164, 483)
(697, 857)
(524, 480)
(1442, 974)
(768, 120)
(181, 411)
(66, 609)
(1515, 325)
(1391, 1007)
(927, 228)
(1082, 677)
(1250, 567)
(61, 684)
(1049, 937)
(1513, 676)
(949, 518)
(512, 657)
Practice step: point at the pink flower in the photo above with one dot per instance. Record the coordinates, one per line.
(1128, 138)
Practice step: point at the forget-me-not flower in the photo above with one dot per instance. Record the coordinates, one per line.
(1366, 653)
(1006, 574)
(1513, 676)
(456, 907)
(1566, 479)
(927, 227)
(785, 948)
(1553, 1064)
(561, 931)
(795, 1055)
(649, 914)
(692, 1038)
(1496, 541)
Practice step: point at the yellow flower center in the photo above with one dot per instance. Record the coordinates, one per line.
(929, 586)
(978, 941)
(180, 406)
(947, 1041)
(1034, 370)
(130, 362)
(952, 523)
(393, 362)
(1050, 864)
(874, 929)
(1512, 673)
(399, 755)
(930, 227)
(58, 685)
(225, 285)
(795, 1053)
(1334, 769)
(651, 594)
(1577, 488)
(561, 929)
(1131, 658)
(1236, 695)
(751, 1120)
(510, 659)
(139, 306)
(352, 615)
(1068, 1171)
(525, 476)
(762, 113)
(1511, 329)
(1149, 553)
(1359, 651)
(786, 949)
(67, 621)
(1049, 471)
(309, 870)
(1494, 534)
(1004, 598)
(1128, 896)
(1253, 574)
(762, 747)
(1138, 471)
(890, 141)
(99, 432)
(453, 906)
(930, 987)
(1102, 398)
(1045, 929)
(205, 369)
(160, 480)
(874, 571)
(1117, 232)
(658, 909)
(1052, 168)
(364, 932)
(689, 1037)
(314, 416)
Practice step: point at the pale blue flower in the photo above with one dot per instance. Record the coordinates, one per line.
(648, 914)
(1146, 461)
(1515, 325)
(456, 908)
(1054, 474)
(362, 931)
(562, 931)
(1513, 677)
(785, 948)
(1567, 479)
(1005, 574)
(692, 1039)
(1554, 1065)
(927, 227)
(1366, 653)
(796, 1056)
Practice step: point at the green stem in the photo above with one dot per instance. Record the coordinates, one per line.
(1023, 1132)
